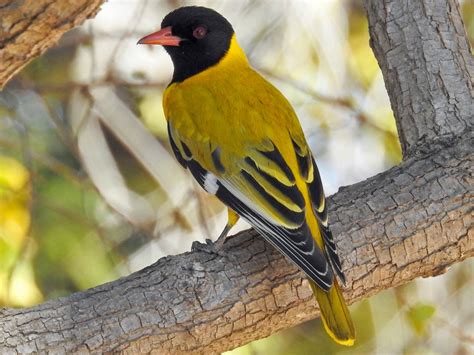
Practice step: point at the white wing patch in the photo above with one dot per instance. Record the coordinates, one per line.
(210, 183)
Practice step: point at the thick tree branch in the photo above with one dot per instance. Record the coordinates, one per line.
(29, 27)
(413, 220)
(410, 221)
(428, 68)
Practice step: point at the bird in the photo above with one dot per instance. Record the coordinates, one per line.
(241, 140)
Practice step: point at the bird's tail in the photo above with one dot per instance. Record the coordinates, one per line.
(335, 315)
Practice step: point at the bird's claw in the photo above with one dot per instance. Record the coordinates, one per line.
(208, 247)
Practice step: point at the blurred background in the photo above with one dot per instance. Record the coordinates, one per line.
(88, 195)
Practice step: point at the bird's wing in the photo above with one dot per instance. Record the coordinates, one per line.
(310, 173)
(263, 191)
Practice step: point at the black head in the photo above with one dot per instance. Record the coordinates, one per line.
(195, 37)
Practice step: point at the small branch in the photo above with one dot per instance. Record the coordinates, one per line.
(456, 332)
(343, 102)
(70, 86)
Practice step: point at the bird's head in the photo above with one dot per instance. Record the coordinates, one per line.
(195, 37)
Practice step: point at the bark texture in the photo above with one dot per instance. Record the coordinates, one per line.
(410, 221)
(29, 27)
(413, 220)
(428, 68)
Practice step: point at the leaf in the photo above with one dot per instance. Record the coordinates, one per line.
(362, 60)
(15, 195)
(419, 316)
(24, 291)
(17, 286)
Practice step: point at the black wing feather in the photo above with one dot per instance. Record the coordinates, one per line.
(175, 149)
(318, 199)
(296, 244)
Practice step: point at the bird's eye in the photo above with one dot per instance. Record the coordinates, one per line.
(199, 32)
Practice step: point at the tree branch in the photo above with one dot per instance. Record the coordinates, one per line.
(413, 220)
(426, 61)
(410, 221)
(29, 27)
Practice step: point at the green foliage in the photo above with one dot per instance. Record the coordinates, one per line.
(71, 254)
(362, 61)
(16, 284)
(419, 316)
(467, 11)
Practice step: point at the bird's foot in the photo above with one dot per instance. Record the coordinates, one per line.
(219, 243)
(208, 247)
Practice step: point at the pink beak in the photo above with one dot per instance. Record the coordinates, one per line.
(163, 37)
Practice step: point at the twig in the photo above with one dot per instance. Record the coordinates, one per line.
(454, 330)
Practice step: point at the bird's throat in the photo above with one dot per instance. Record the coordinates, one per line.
(185, 69)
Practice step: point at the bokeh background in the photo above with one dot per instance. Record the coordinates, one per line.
(88, 195)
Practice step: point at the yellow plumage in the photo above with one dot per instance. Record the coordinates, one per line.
(224, 103)
(230, 109)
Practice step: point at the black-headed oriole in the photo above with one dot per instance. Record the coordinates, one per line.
(241, 140)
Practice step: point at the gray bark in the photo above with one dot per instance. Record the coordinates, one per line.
(428, 68)
(410, 221)
(413, 220)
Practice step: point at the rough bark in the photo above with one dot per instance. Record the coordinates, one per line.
(413, 220)
(410, 221)
(428, 68)
(29, 27)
